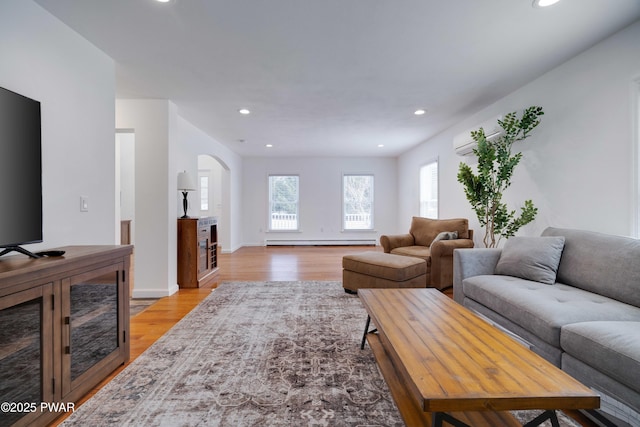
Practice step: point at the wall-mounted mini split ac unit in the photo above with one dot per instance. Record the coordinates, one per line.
(463, 144)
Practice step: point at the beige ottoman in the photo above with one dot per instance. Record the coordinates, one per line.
(382, 270)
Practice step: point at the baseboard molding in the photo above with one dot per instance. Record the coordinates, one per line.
(323, 242)
(231, 250)
(154, 293)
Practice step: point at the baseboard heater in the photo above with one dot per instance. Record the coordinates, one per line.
(340, 242)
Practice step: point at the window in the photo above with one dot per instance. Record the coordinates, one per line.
(636, 162)
(357, 202)
(429, 190)
(204, 193)
(283, 202)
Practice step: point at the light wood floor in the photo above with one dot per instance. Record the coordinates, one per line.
(246, 264)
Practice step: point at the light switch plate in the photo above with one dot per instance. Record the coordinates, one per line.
(84, 204)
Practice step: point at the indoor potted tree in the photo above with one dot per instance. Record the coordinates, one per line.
(495, 168)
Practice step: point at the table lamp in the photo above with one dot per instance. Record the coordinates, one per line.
(185, 184)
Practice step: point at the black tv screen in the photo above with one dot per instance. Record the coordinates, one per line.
(20, 170)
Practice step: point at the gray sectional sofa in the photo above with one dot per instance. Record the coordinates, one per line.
(574, 297)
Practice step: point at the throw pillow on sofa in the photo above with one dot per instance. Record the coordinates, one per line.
(445, 235)
(531, 258)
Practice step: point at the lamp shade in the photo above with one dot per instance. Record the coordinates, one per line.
(185, 183)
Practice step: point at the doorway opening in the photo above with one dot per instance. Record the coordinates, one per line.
(125, 186)
(213, 195)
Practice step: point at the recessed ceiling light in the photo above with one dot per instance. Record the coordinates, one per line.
(269, 145)
(544, 3)
(244, 111)
(163, 1)
(419, 112)
(380, 145)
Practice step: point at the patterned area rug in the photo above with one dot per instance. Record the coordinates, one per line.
(254, 354)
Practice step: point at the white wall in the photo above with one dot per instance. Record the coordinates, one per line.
(166, 144)
(194, 142)
(578, 167)
(75, 83)
(154, 125)
(320, 196)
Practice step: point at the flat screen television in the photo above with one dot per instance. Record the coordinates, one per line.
(20, 172)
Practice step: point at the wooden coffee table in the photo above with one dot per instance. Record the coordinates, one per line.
(444, 363)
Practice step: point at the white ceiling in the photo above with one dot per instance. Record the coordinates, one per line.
(334, 77)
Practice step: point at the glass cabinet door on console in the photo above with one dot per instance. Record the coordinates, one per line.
(92, 331)
(26, 363)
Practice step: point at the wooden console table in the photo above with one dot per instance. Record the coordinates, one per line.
(197, 251)
(64, 328)
(444, 363)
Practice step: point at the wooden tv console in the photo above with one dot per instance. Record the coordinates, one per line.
(64, 327)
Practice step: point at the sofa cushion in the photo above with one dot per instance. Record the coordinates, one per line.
(423, 252)
(531, 258)
(601, 263)
(542, 309)
(610, 347)
(424, 230)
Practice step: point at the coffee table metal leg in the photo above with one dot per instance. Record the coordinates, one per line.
(366, 331)
(546, 415)
(438, 417)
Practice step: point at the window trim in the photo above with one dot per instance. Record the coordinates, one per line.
(269, 205)
(372, 200)
(635, 149)
(207, 175)
(433, 161)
